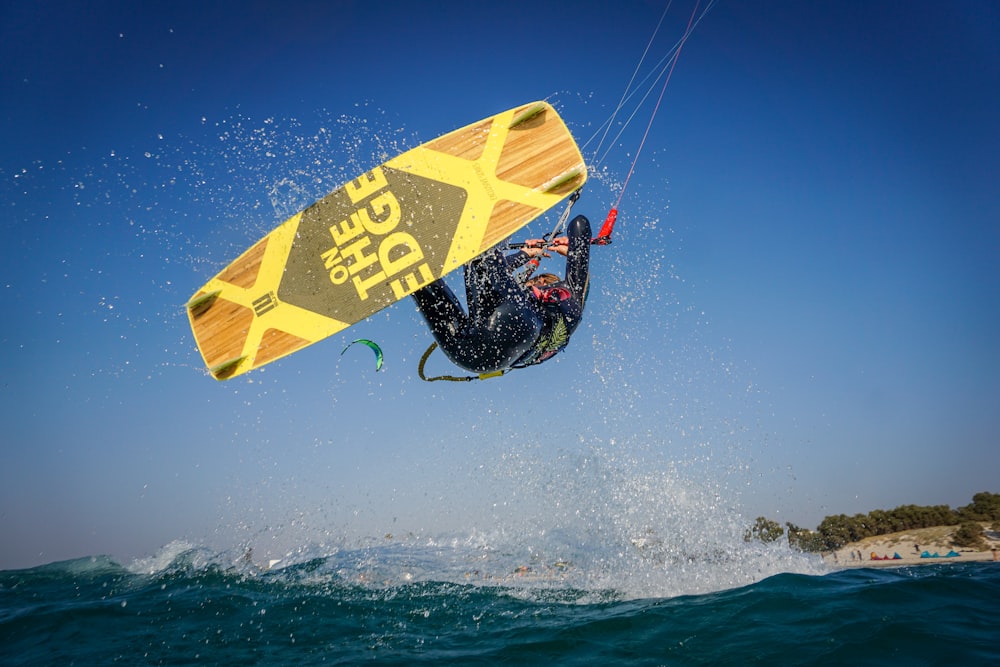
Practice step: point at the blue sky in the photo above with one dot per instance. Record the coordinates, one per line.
(797, 318)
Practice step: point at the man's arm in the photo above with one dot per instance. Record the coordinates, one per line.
(516, 260)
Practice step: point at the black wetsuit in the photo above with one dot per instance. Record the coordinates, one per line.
(508, 325)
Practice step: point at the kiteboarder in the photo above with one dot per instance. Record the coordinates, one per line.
(511, 322)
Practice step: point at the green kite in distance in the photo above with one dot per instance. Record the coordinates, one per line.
(375, 348)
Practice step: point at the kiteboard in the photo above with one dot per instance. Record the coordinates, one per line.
(383, 236)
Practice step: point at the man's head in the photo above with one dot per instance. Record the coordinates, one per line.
(542, 279)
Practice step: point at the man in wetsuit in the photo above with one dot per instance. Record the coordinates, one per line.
(510, 324)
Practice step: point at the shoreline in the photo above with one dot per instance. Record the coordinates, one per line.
(909, 545)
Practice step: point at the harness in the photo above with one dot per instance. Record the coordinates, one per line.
(557, 337)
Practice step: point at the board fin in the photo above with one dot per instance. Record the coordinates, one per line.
(527, 114)
(562, 179)
(201, 303)
(226, 368)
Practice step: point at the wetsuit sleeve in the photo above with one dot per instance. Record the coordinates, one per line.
(517, 260)
(578, 257)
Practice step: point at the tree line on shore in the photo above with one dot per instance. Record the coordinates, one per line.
(837, 530)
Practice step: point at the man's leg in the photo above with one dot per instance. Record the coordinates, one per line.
(441, 310)
(501, 325)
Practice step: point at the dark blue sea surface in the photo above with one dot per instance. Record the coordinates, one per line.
(407, 605)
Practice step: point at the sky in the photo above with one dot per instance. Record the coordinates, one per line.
(798, 316)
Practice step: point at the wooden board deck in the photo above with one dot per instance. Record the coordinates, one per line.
(383, 236)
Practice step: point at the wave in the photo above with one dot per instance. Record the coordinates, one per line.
(199, 607)
(649, 566)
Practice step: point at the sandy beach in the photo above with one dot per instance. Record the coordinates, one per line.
(909, 545)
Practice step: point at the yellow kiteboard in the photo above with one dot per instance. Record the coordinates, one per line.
(383, 236)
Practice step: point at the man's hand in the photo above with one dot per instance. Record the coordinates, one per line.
(539, 247)
(535, 248)
(560, 245)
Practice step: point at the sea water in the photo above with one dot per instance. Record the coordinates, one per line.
(462, 602)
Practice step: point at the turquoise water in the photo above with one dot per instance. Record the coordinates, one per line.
(420, 604)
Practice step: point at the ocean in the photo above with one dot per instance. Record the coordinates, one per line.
(459, 602)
